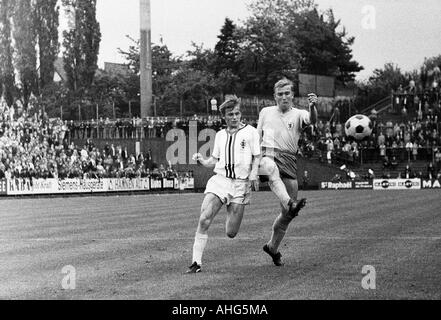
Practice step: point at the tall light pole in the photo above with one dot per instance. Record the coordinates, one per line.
(146, 59)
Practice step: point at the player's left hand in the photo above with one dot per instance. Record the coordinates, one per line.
(312, 99)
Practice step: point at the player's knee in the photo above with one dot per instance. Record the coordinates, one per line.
(204, 223)
(274, 176)
(267, 167)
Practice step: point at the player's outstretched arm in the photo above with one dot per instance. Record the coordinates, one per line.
(208, 163)
(313, 99)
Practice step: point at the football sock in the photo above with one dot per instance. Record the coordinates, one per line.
(278, 187)
(279, 230)
(200, 242)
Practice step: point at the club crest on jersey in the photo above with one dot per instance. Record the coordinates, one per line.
(243, 144)
(290, 126)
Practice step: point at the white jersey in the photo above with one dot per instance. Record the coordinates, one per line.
(235, 152)
(282, 131)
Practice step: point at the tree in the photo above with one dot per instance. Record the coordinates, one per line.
(226, 82)
(190, 88)
(200, 58)
(432, 62)
(53, 96)
(379, 85)
(387, 79)
(132, 55)
(282, 10)
(227, 48)
(322, 48)
(46, 25)
(105, 90)
(285, 37)
(266, 54)
(25, 43)
(7, 74)
(81, 44)
(164, 65)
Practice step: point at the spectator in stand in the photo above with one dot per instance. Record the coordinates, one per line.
(407, 174)
(336, 117)
(370, 175)
(438, 160)
(409, 148)
(382, 148)
(381, 139)
(355, 150)
(415, 150)
(330, 149)
(305, 180)
(424, 76)
(337, 145)
(118, 128)
(394, 163)
(321, 128)
(404, 112)
(431, 171)
(338, 130)
(108, 130)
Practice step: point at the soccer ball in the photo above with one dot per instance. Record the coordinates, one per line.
(358, 127)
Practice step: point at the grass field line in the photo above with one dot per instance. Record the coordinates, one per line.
(137, 239)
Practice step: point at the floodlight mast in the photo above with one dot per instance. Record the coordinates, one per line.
(146, 59)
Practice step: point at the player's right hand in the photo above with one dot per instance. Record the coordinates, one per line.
(198, 157)
(312, 99)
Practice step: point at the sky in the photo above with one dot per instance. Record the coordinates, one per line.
(399, 31)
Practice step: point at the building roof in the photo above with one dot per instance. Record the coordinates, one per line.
(59, 69)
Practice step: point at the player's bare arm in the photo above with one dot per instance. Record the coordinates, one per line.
(313, 99)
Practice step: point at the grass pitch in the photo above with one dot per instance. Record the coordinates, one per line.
(138, 247)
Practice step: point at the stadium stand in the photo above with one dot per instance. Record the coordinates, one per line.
(34, 146)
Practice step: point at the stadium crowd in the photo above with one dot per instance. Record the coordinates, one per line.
(32, 145)
(35, 146)
(411, 139)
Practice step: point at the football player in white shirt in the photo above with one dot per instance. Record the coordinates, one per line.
(235, 159)
(280, 128)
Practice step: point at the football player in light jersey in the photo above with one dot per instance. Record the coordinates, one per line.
(280, 128)
(235, 159)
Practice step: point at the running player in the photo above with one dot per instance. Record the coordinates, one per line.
(235, 159)
(280, 128)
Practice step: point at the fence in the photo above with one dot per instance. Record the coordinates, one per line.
(401, 154)
(31, 186)
(414, 102)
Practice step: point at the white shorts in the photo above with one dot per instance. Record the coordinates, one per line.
(230, 190)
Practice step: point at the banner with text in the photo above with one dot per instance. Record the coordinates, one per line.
(431, 184)
(2, 186)
(397, 184)
(349, 185)
(27, 186)
(15, 187)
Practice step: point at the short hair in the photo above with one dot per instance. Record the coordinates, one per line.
(231, 102)
(283, 83)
